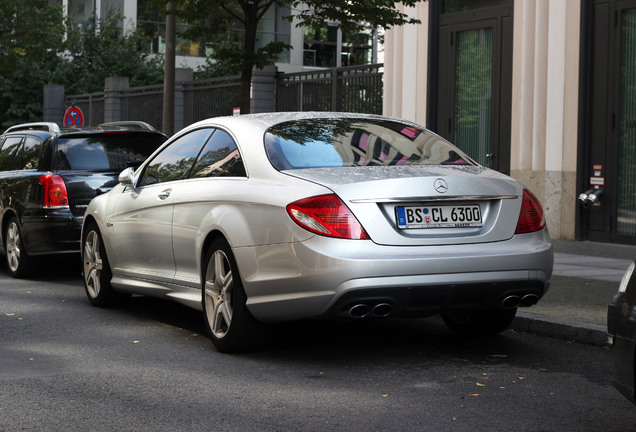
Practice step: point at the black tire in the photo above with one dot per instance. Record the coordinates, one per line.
(96, 269)
(230, 325)
(486, 322)
(19, 263)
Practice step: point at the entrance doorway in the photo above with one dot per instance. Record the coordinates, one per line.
(609, 140)
(472, 85)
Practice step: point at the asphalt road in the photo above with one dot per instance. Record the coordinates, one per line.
(67, 366)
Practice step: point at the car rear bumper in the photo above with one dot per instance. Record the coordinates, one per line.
(325, 276)
(54, 232)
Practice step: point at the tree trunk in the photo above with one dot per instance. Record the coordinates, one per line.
(244, 92)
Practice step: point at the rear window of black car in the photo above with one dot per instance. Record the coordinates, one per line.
(105, 152)
(348, 142)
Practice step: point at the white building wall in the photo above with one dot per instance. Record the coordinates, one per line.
(406, 67)
(545, 111)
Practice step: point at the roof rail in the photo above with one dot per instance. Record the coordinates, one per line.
(41, 126)
(139, 125)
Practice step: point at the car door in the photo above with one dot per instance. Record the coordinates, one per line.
(142, 217)
(211, 184)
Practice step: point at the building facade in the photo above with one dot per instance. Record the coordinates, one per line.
(543, 90)
(326, 47)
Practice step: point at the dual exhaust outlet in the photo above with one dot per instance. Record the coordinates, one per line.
(363, 310)
(383, 310)
(514, 301)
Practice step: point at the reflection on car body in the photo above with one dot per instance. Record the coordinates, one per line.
(275, 217)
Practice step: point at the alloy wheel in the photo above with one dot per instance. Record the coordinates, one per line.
(218, 294)
(92, 264)
(14, 248)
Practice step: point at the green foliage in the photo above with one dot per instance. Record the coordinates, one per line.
(28, 55)
(32, 56)
(92, 56)
(353, 15)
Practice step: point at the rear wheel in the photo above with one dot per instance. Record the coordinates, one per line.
(481, 322)
(18, 261)
(230, 325)
(96, 269)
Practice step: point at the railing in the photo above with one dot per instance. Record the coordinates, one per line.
(351, 89)
(143, 104)
(210, 98)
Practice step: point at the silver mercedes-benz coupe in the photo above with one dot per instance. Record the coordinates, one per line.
(275, 217)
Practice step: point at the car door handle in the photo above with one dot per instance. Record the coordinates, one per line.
(164, 194)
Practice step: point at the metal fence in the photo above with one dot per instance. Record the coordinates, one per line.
(143, 104)
(210, 98)
(351, 89)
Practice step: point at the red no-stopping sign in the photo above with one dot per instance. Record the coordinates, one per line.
(73, 117)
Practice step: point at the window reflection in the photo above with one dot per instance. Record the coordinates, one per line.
(322, 143)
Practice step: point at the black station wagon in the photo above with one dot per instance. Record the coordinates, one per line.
(48, 175)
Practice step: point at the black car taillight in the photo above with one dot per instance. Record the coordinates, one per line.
(54, 191)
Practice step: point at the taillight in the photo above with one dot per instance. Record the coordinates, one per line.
(531, 216)
(54, 191)
(326, 215)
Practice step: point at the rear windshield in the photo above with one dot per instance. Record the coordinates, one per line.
(105, 152)
(347, 142)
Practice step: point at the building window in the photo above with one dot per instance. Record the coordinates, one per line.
(329, 47)
(271, 28)
(82, 12)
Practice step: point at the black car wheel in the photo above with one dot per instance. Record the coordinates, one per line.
(96, 269)
(486, 322)
(230, 325)
(18, 261)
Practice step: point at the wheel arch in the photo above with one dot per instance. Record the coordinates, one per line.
(209, 239)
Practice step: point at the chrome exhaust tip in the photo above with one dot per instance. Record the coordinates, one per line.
(359, 310)
(529, 300)
(511, 302)
(382, 310)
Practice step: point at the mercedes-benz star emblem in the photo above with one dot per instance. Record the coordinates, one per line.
(440, 185)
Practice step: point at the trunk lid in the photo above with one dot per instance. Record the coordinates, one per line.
(452, 195)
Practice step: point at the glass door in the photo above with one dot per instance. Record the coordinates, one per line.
(473, 93)
(472, 87)
(626, 169)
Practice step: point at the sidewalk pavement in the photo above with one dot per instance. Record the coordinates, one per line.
(586, 276)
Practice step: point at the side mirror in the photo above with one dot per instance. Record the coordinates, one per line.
(127, 177)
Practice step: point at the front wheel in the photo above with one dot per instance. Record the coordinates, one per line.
(230, 325)
(18, 261)
(481, 322)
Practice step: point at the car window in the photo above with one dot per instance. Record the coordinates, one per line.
(31, 153)
(9, 153)
(342, 142)
(175, 161)
(105, 151)
(220, 158)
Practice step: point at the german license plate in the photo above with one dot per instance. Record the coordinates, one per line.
(438, 216)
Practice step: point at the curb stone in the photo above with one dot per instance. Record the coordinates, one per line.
(562, 329)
